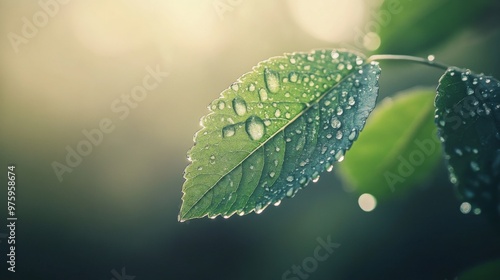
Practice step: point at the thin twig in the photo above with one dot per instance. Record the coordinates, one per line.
(429, 62)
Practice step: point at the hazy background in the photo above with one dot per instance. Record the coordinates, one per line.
(118, 208)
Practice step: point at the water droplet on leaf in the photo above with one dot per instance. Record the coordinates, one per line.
(255, 128)
(353, 135)
(335, 122)
(293, 77)
(239, 106)
(262, 95)
(228, 131)
(251, 87)
(221, 105)
(235, 87)
(339, 156)
(272, 80)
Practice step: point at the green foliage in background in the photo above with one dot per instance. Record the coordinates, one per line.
(398, 147)
(408, 26)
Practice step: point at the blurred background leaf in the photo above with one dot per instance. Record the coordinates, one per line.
(415, 27)
(398, 148)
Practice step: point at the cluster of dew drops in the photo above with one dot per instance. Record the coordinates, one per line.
(474, 82)
(255, 127)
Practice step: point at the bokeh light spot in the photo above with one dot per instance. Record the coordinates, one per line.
(332, 21)
(367, 202)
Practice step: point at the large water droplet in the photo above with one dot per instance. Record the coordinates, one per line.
(289, 193)
(228, 131)
(335, 122)
(240, 106)
(293, 77)
(272, 80)
(255, 128)
(289, 179)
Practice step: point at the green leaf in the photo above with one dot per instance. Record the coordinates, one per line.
(417, 26)
(468, 117)
(398, 148)
(276, 129)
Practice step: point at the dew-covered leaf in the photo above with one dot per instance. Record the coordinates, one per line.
(398, 148)
(468, 118)
(276, 129)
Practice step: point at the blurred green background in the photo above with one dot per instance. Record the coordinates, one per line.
(65, 63)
